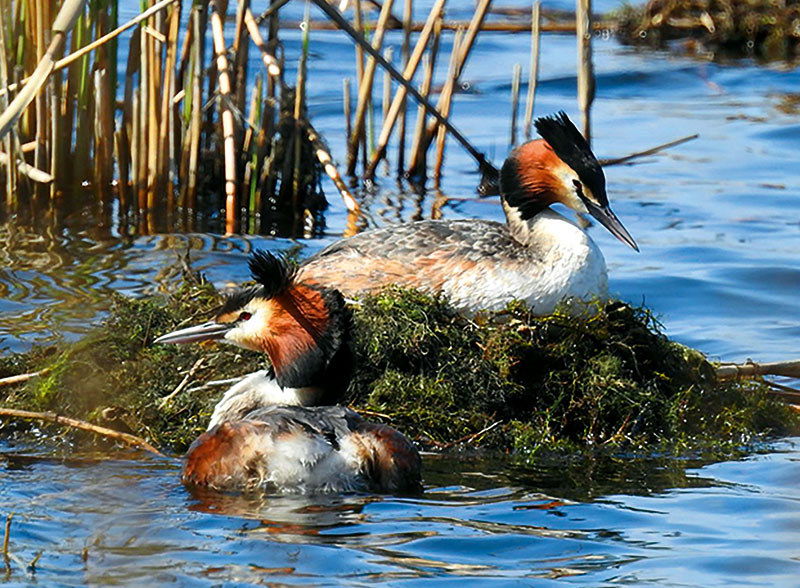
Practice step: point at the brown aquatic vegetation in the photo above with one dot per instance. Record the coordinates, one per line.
(760, 28)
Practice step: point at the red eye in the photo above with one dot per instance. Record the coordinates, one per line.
(244, 316)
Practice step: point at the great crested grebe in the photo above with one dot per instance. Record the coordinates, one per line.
(538, 256)
(268, 430)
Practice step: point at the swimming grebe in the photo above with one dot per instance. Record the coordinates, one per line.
(538, 256)
(268, 430)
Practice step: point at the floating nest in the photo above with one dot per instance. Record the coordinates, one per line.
(762, 28)
(505, 381)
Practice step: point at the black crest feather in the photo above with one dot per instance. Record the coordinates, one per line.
(274, 273)
(572, 148)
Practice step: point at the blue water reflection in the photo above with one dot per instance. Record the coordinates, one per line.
(717, 222)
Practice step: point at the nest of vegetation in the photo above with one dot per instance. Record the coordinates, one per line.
(505, 381)
(761, 28)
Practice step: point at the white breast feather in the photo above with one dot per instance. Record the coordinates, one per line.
(564, 264)
(257, 390)
(305, 462)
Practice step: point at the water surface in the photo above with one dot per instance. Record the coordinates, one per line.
(717, 223)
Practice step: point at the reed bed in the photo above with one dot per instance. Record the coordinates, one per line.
(186, 138)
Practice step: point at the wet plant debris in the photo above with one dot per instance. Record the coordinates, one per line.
(508, 381)
(753, 28)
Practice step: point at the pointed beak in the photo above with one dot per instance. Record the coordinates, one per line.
(206, 332)
(610, 221)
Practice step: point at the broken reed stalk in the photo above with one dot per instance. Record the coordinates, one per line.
(405, 86)
(452, 76)
(10, 159)
(250, 181)
(408, 14)
(241, 51)
(50, 417)
(227, 117)
(386, 98)
(273, 68)
(20, 378)
(324, 157)
(365, 89)
(533, 77)
(789, 369)
(554, 26)
(62, 25)
(586, 82)
(445, 98)
(41, 137)
(27, 170)
(189, 197)
(651, 151)
(79, 53)
(7, 535)
(348, 109)
(516, 78)
(427, 83)
(359, 56)
(299, 101)
(165, 140)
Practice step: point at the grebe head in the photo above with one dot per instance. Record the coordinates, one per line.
(304, 329)
(559, 167)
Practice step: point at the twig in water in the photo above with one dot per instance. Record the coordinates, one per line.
(627, 158)
(468, 438)
(77, 424)
(7, 534)
(34, 561)
(789, 394)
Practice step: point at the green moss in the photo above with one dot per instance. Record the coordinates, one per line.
(507, 381)
(609, 378)
(115, 377)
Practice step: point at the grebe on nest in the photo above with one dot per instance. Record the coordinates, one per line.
(538, 256)
(270, 430)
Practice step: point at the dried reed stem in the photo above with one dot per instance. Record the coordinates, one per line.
(419, 130)
(227, 117)
(789, 369)
(586, 84)
(407, 75)
(324, 157)
(516, 77)
(273, 69)
(10, 161)
(651, 151)
(365, 89)
(50, 417)
(489, 27)
(299, 102)
(347, 108)
(27, 170)
(408, 14)
(7, 534)
(445, 98)
(65, 20)
(533, 79)
(386, 99)
(452, 75)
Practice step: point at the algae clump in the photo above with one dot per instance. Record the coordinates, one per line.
(507, 381)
